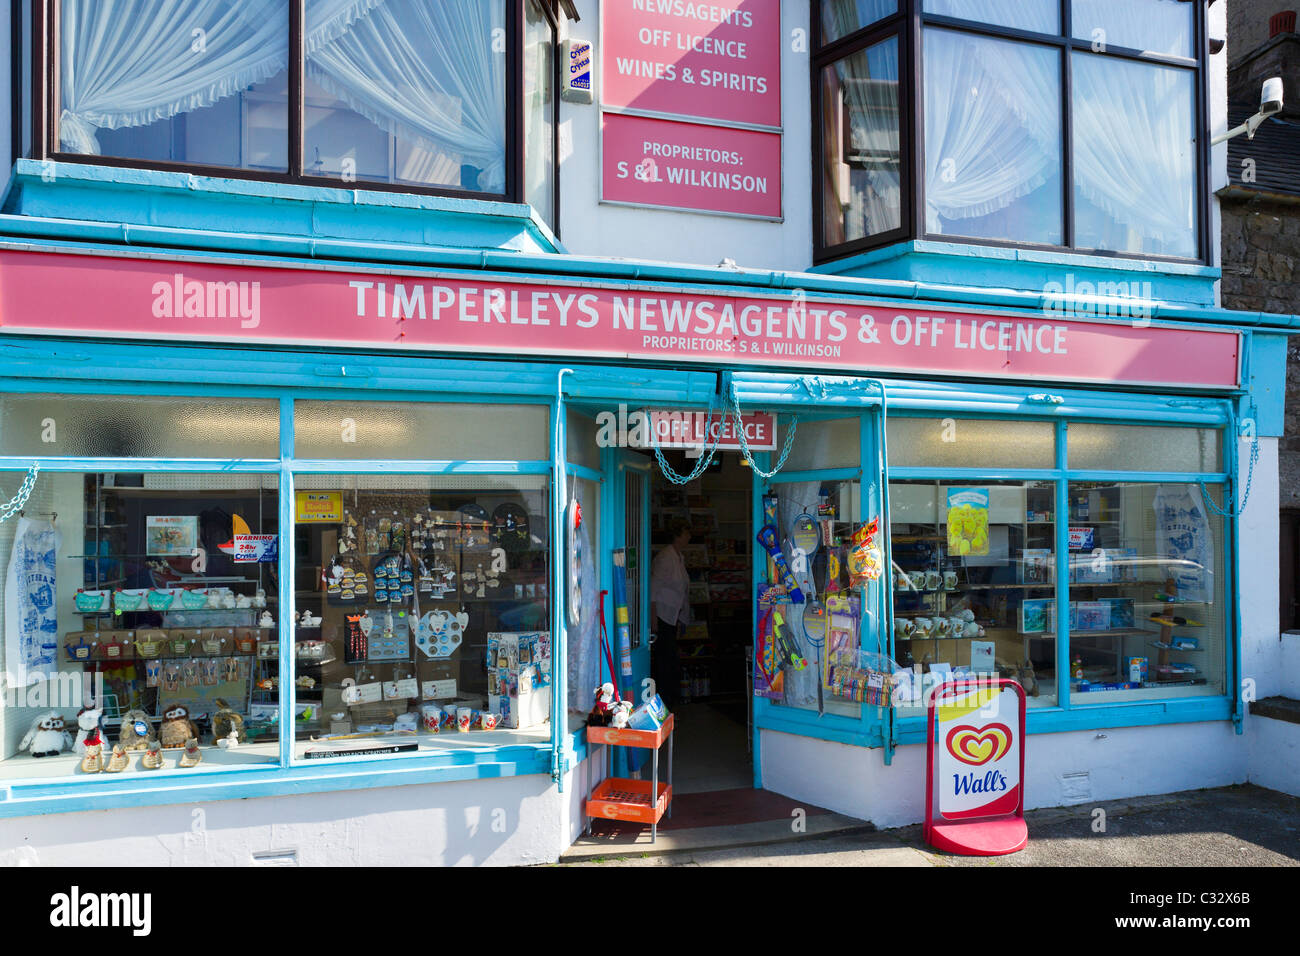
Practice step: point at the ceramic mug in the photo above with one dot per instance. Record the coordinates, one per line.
(432, 717)
(950, 580)
(924, 627)
(942, 627)
(957, 627)
(464, 717)
(933, 580)
(904, 627)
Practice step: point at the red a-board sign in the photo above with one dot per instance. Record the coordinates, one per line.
(975, 768)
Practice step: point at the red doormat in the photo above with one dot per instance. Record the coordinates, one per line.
(716, 808)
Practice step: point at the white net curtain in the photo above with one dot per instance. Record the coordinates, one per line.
(430, 72)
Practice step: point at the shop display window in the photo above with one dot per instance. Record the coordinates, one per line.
(405, 431)
(974, 568)
(1145, 448)
(140, 614)
(1147, 613)
(970, 443)
(817, 654)
(421, 613)
(114, 426)
(820, 444)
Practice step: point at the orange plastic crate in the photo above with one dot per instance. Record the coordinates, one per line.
(617, 798)
(625, 737)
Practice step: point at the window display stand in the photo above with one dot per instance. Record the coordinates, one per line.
(621, 798)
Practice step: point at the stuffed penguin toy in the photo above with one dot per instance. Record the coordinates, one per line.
(224, 721)
(176, 727)
(136, 731)
(89, 721)
(48, 737)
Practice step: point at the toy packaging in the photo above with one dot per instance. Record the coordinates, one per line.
(519, 677)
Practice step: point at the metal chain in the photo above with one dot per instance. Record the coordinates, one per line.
(705, 459)
(744, 445)
(1250, 477)
(14, 504)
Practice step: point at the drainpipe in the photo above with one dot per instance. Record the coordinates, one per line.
(559, 592)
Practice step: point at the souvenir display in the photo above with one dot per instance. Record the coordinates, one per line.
(439, 633)
(176, 728)
(225, 722)
(136, 730)
(48, 736)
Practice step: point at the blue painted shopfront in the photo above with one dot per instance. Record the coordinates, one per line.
(171, 217)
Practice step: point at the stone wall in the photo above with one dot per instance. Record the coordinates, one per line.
(1261, 273)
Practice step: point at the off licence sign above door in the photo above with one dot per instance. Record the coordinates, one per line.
(679, 428)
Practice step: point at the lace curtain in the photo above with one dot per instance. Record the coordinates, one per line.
(421, 70)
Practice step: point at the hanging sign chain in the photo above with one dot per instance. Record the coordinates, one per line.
(705, 459)
(744, 445)
(1250, 471)
(14, 504)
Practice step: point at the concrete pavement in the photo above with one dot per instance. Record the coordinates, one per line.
(1244, 826)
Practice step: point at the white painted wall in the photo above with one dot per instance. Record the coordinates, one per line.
(590, 228)
(1116, 763)
(508, 820)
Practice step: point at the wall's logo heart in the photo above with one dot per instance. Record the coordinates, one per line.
(978, 747)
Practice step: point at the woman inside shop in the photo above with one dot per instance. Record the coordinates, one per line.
(670, 610)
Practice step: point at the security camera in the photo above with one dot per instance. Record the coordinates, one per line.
(1270, 96)
(1270, 102)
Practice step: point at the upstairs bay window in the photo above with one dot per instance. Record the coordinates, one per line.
(398, 94)
(1050, 123)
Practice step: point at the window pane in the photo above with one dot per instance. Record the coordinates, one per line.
(841, 657)
(582, 436)
(992, 139)
(205, 84)
(1039, 16)
(1135, 157)
(820, 444)
(112, 605)
(1144, 448)
(1147, 611)
(111, 426)
(860, 181)
(1153, 26)
(407, 430)
(842, 17)
(974, 585)
(970, 443)
(429, 614)
(539, 113)
(407, 92)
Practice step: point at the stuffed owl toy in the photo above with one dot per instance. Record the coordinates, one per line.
(48, 737)
(176, 727)
(136, 731)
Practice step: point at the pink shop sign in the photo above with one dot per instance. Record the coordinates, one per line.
(656, 162)
(718, 60)
(157, 301)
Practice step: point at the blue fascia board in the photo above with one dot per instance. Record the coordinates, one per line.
(1266, 371)
(961, 263)
(65, 795)
(141, 197)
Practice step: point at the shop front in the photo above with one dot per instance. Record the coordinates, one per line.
(320, 548)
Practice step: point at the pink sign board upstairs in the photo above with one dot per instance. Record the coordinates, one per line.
(151, 300)
(718, 60)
